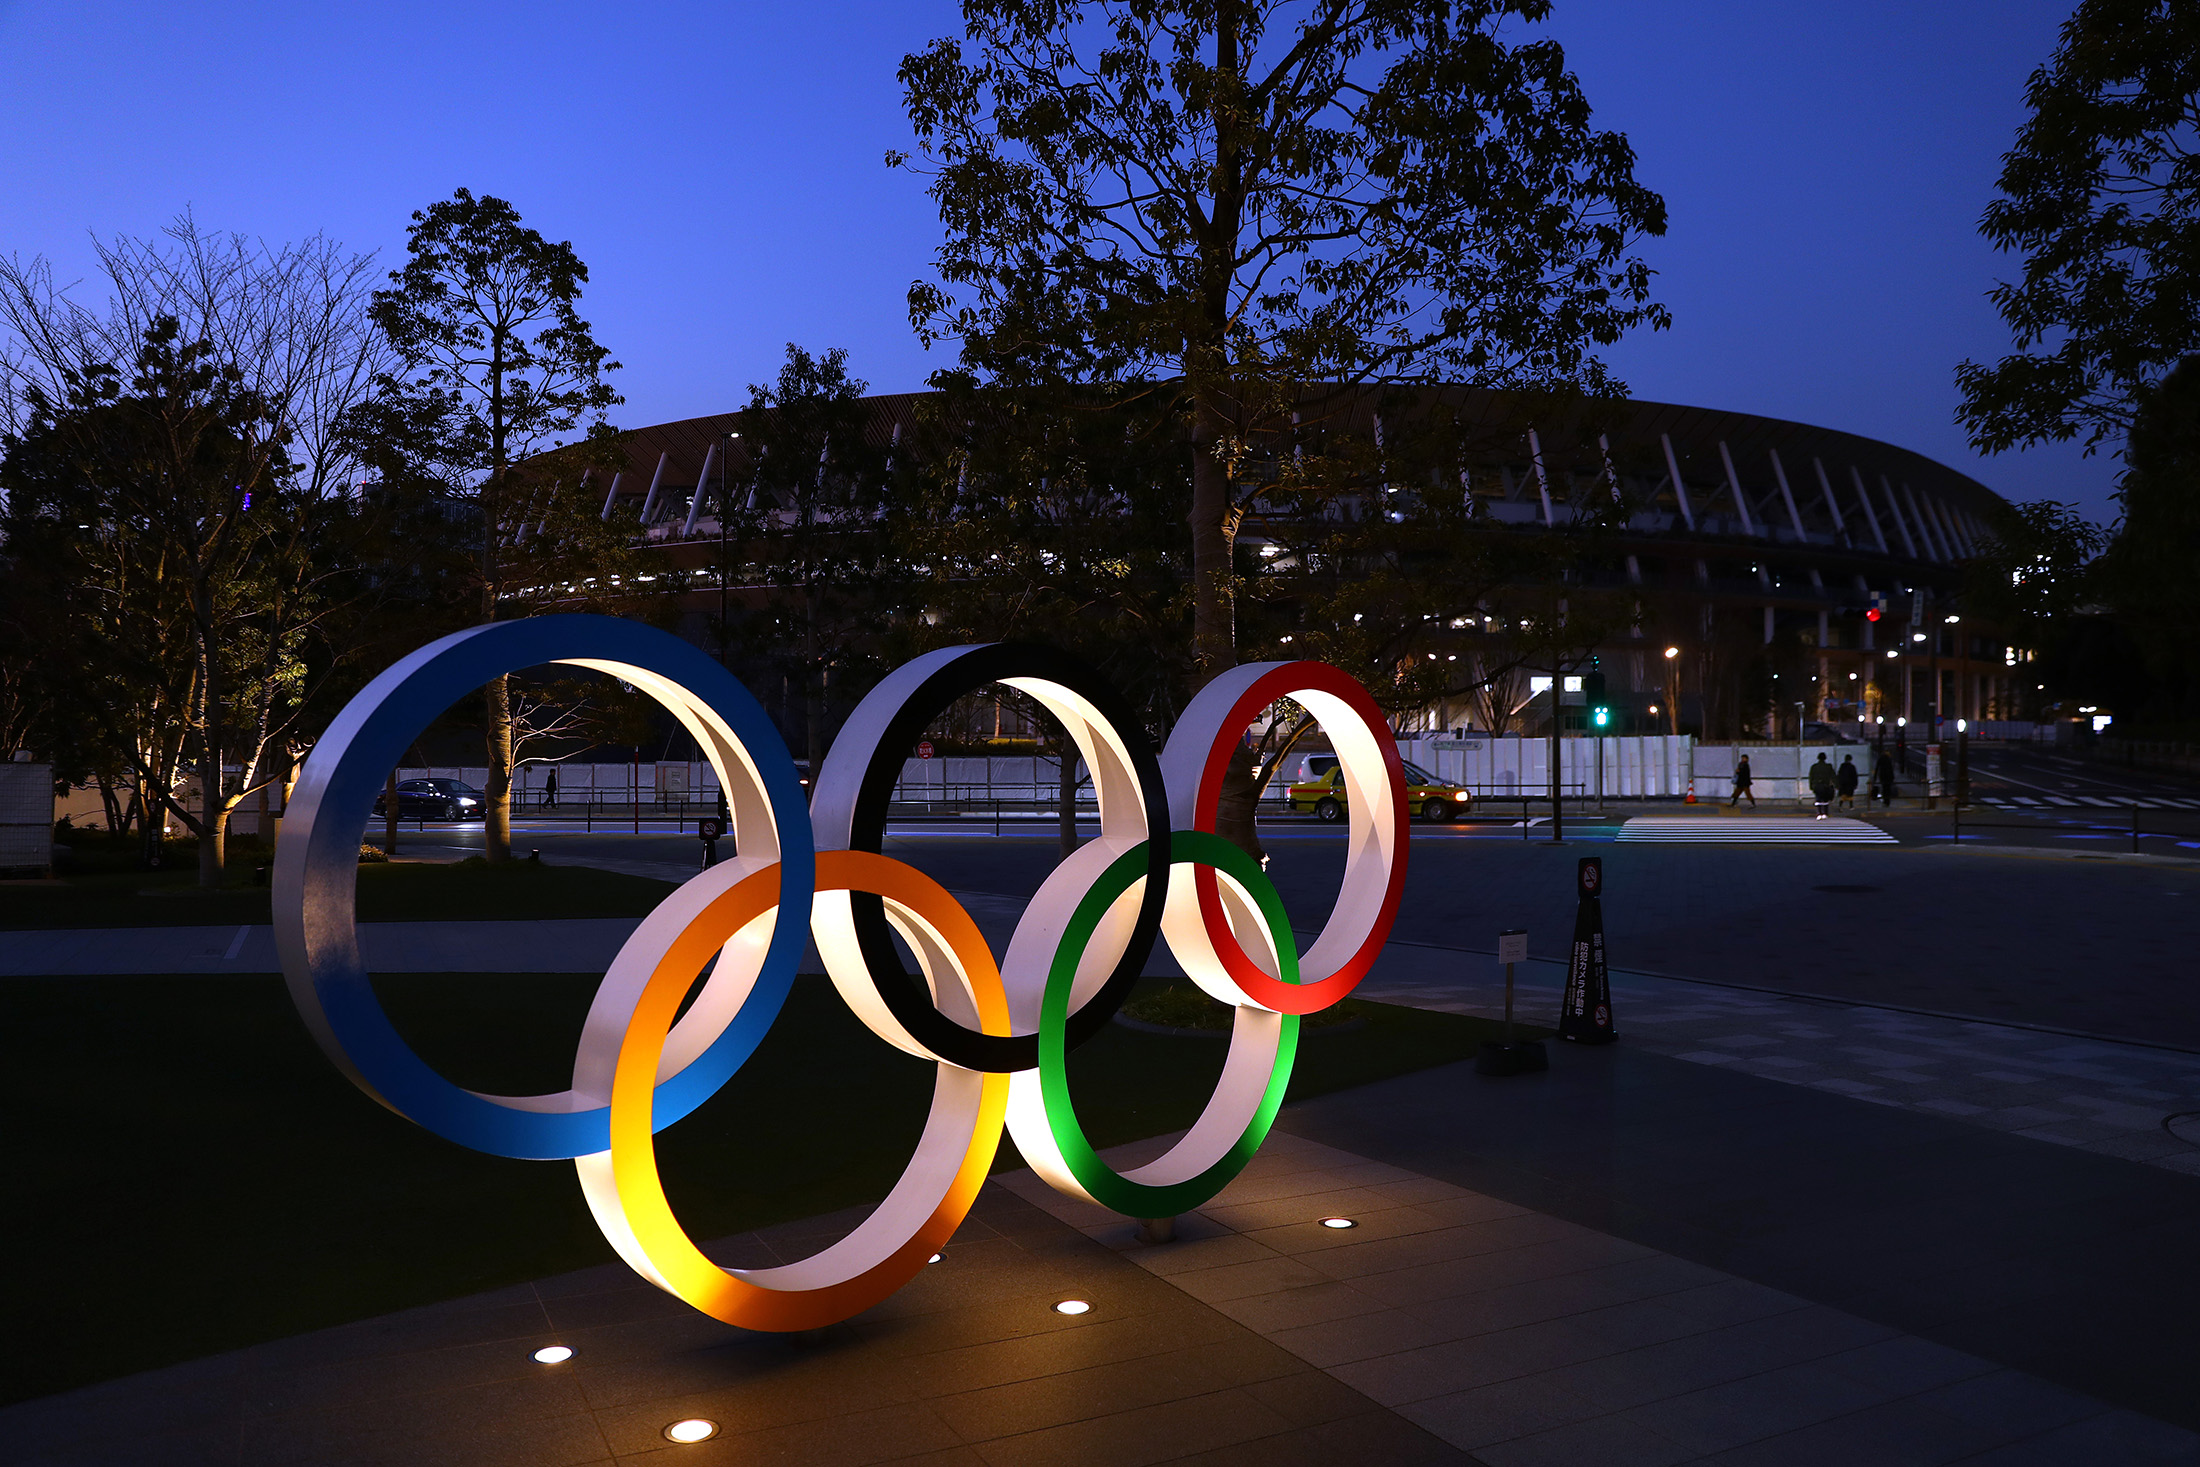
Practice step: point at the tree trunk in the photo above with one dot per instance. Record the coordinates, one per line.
(213, 806)
(496, 818)
(1066, 813)
(1214, 600)
(389, 815)
(1235, 806)
(813, 709)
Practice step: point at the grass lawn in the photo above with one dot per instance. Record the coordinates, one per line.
(398, 892)
(192, 1175)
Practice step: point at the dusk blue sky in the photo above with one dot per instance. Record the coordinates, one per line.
(719, 168)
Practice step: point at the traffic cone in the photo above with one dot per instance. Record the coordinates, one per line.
(1691, 791)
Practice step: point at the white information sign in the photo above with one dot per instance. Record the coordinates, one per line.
(1512, 947)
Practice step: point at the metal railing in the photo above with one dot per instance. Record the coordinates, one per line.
(2141, 816)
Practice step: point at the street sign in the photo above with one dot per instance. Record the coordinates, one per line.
(1512, 947)
(924, 749)
(1586, 1013)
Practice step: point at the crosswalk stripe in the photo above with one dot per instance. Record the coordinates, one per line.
(2096, 800)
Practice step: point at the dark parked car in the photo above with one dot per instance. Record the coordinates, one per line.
(435, 799)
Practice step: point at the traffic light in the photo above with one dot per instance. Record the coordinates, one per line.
(1600, 706)
(1878, 606)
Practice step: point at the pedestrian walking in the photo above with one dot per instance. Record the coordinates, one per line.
(1821, 785)
(1883, 779)
(1844, 782)
(550, 790)
(1741, 784)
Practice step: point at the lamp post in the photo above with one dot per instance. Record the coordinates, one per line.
(1799, 770)
(1673, 688)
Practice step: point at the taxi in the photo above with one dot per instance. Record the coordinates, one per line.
(1426, 796)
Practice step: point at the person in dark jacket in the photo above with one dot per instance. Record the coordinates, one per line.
(1883, 779)
(1741, 783)
(1844, 782)
(550, 790)
(1821, 785)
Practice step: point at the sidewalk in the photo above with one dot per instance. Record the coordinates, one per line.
(579, 945)
(2103, 1095)
(1447, 1322)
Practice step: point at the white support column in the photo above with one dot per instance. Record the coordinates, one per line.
(1542, 480)
(1933, 547)
(1787, 496)
(1611, 475)
(1974, 534)
(1902, 526)
(1734, 486)
(656, 482)
(695, 500)
(1768, 626)
(1871, 515)
(1944, 525)
(1833, 505)
(612, 499)
(1680, 490)
(1941, 532)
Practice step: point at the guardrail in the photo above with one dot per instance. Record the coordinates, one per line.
(2139, 814)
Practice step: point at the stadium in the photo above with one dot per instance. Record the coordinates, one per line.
(1756, 548)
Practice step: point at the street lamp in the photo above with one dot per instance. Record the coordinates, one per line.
(1672, 690)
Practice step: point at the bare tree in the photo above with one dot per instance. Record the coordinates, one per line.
(175, 474)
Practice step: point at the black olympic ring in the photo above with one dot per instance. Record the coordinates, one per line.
(952, 674)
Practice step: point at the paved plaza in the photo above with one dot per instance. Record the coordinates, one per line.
(1447, 1325)
(1892, 1164)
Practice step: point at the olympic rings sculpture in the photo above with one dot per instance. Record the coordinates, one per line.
(999, 1032)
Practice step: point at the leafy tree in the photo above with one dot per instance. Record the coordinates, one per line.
(1229, 207)
(2034, 569)
(496, 365)
(809, 527)
(1379, 559)
(1044, 516)
(2099, 197)
(2148, 571)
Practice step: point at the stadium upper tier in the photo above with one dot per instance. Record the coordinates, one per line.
(1674, 471)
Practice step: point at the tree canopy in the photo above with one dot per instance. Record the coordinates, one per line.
(1233, 203)
(495, 365)
(2101, 198)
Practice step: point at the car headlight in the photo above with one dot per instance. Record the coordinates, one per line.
(466, 804)
(1461, 795)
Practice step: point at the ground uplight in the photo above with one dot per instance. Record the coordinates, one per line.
(1073, 1306)
(553, 1354)
(1339, 1222)
(694, 1429)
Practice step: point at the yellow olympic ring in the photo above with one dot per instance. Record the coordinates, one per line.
(934, 1194)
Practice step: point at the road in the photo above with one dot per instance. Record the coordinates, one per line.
(2059, 934)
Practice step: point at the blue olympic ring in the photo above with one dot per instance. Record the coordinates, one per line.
(314, 885)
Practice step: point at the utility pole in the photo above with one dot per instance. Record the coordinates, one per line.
(1558, 699)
